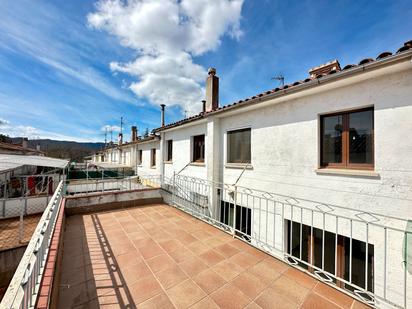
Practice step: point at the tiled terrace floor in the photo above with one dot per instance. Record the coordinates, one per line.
(9, 231)
(159, 257)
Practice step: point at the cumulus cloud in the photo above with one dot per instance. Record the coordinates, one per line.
(167, 34)
(9, 129)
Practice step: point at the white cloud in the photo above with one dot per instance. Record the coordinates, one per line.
(167, 34)
(3, 122)
(109, 128)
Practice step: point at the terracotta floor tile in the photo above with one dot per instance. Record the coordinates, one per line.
(275, 264)
(264, 272)
(160, 301)
(314, 301)
(226, 250)
(271, 298)
(171, 245)
(201, 235)
(171, 277)
(243, 259)
(185, 294)
(301, 278)
(211, 257)
(290, 290)
(359, 305)
(253, 305)
(160, 262)
(192, 266)
(150, 251)
(181, 255)
(198, 247)
(249, 284)
(135, 272)
(230, 296)
(144, 289)
(205, 303)
(227, 270)
(333, 295)
(209, 281)
(129, 259)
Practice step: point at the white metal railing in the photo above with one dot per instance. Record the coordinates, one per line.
(365, 254)
(24, 286)
(74, 187)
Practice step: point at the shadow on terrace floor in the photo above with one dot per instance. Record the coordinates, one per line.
(159, 257)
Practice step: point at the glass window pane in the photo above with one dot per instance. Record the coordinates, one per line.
(239, 146)
(332, 139)
(361, 137)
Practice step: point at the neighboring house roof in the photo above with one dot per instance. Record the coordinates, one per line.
(309, 82)
(18, 148)
(10, 162)
(109, 165)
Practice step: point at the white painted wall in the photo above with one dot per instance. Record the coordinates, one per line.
(182, 151)
(145, 168)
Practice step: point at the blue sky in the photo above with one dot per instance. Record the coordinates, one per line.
(69, 68)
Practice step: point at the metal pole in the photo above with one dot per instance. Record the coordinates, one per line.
(21, 227)
(173, 189)
(234, 212)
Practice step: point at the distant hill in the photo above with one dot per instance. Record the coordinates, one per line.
(63, 149)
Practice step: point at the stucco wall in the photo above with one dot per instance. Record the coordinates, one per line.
(145, 168)
(182, 152)
(285, 147)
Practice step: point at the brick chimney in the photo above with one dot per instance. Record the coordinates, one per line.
(25, 142)
(162, 111)
(325, 68)
(120, 138)
(212, 90)
(133, 136)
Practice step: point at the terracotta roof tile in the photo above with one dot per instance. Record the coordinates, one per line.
(406, 47)
(383, 55)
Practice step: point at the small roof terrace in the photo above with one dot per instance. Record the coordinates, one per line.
(156, 256)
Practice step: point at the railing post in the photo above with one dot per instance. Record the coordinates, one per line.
(234, 211)
(173, 189)
(21, 224)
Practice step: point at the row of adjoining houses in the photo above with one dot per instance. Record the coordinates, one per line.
(317, 172)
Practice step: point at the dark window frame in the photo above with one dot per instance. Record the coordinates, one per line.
(198, 148)
(345, 164)
(228, 133)
(140, 159)
(153, 157)
(169, 151)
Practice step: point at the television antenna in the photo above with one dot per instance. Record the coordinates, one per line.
(280, 78)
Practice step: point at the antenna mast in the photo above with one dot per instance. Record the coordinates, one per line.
(121, 125)
(280, 78)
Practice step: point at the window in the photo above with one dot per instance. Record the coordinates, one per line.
(342, 256)
(199, 148)
(153, 158)
(238, 146)
(169, 156)
(347, 139)
(140, 157)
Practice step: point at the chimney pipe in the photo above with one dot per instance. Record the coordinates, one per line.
(212, 90)
(162, 108)
(203, 106)
(120, 138)
(24, 142)
(134, 134)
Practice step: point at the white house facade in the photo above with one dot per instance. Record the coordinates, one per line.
(317, 173)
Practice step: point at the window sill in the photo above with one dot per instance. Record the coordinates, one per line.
(246, 166)
(153, 167)
(347, 172)
(197, 164)
(168, 162)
